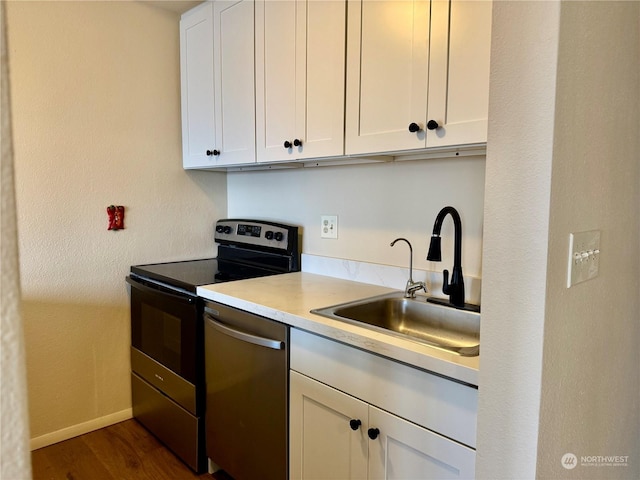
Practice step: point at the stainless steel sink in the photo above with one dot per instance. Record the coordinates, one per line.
(439, 326)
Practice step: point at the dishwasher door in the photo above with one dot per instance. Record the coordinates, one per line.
(246, 367)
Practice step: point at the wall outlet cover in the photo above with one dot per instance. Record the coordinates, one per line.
(328, 226)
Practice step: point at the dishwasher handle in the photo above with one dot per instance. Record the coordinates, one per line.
(244, 336)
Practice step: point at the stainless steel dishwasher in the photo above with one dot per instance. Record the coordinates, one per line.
(246, 368)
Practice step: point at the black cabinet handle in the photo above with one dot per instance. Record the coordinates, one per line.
(297, 143)
(373, 433)
(355, 424)
(432, 125)
(414, 127)
(287, 144)
(215, 153)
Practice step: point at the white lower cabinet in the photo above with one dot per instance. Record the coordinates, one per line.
(407, 451)
(323, 443)
(355, 415)
(335, 436)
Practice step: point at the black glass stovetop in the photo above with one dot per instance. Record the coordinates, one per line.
(190, 274)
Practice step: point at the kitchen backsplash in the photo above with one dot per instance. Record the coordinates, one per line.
(385, 275)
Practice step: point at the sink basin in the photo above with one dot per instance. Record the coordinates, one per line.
(439, 326)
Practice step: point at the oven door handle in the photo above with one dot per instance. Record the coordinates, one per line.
(244, 336)
(156, 291)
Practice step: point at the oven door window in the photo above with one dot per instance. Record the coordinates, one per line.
(164, 328)
(161, 337)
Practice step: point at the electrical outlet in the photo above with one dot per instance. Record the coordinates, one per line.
(584, 256)
(328, 226)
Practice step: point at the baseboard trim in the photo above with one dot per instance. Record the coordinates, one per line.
(80, 429)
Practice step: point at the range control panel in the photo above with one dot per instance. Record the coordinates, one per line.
(256, 233)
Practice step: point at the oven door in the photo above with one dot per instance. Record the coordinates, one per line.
(167, 368)
(166, 328)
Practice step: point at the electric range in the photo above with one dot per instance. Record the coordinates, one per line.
(167, 329)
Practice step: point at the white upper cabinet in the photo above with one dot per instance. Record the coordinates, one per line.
(289, 80)
(300, 61)
(388, 51)
(196, 70)
(217, 74)
(413, 64)
(459, 72)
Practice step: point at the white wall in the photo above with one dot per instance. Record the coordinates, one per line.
(96, 117)
(375, 204)
(559, 367)
(591, 377)
(519, 156)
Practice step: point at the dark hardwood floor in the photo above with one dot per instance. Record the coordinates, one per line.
(122, 451)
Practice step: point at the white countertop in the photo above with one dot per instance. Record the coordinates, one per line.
(289, 298)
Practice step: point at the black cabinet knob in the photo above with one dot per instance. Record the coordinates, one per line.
(287, 144)
(297, 143)
(432, 125)
(355, 424)
(414, 127)
(215, 153)
(373, 433)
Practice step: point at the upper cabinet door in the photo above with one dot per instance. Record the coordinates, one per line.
(417, 74)
(275, 77)
(217, 82)
(300, 48)
(387, 75)
(196, 69)
(459, 72)
(233, 54)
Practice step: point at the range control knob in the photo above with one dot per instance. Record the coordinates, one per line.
(278, 236)
(226, 229)
(219, 228)
(268, 235)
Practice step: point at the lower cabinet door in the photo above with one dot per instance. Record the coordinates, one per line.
(404, 450)
(328, 432)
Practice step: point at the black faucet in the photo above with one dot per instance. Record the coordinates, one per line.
(455, 289)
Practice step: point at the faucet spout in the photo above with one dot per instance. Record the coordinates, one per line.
(412, 287)
(455, 288)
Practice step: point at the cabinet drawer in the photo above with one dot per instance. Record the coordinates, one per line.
(429, 400)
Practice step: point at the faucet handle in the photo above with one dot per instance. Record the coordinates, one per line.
(446, 288)
(412, 287)
(455, 289)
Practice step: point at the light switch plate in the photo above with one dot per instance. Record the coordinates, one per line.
(584, 256)
(328, 226)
